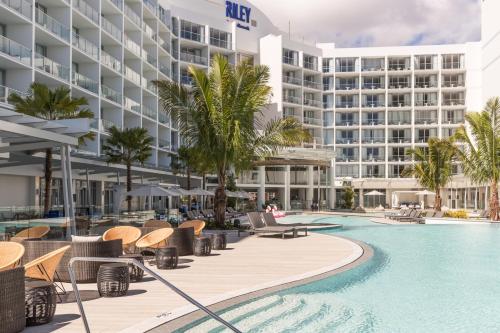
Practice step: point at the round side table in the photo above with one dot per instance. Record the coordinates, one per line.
(135, 273)
(167, 257)
(39, 302)
(218, 241)
(202, 246)
(113, 280)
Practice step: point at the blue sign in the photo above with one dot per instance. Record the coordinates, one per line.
(239, 13)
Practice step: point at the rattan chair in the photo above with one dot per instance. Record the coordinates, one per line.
(10, 255)
(33, 232)
(157, 223)
(44, 267)
(155, 239)
(129, 235)
(198, 226)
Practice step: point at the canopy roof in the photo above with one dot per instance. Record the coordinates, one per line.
(300, 156)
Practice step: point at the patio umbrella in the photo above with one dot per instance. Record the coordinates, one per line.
(374, 193)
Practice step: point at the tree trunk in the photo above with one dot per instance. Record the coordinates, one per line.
(220, 202)
(437, 200)
(129, 187)
(494, 216)
(188, 176)
(48, 182)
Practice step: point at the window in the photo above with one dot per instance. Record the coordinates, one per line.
(372, 83)
(290, 57)
(397, 170)
(424, 62)
(398, 64)
(423, 135)
(399, 82)
(346, 64)
(451, 61)
(220, 38)
(41, 49)
(192, 31)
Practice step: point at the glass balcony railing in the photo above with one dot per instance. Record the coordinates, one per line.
(313, 102)
(110, 61)
(187, 80)
(15, 50)
(106, 125)
(194, 59)
(373, 139)
(373, 122)
(424, 121)
(164, 69)
(292, 80)
(399, 158)
(151, 5)
(83, 7)
(373, 86)
(451, 65)
(150, 58)
(85, 46)
(52, 25)
(292, 99)
(132, 105)
(118, 4)
(313, 121)
(373, 104)
(310, 65)
(165, 144)
(312, 84)
(23, 7)
(346, 105)
(132, 15)
(149, 30)
(399, 121)
(425, 103)
(150, 85)
(398, 104)
(131, 45)
(111, 94)
(346, 141)
(85, 82)
(5, 92)
(187, 34)
(453, 101)
(132, 75)
(345, 69)
(163, 118)
(347, 158)
(164, 44)
(350, 122)
(49, 66)
(373, 158)
(346, 86)
(149, 112)
(111, 28)
(400, 140)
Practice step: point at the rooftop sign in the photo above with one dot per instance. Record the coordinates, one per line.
(239, 13)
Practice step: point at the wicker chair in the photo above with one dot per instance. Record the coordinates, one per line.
(155, 239)
(33, 232)
(198, 226)
(10, 255)
(12, 315)
(85, 272)
(44, 268)
(128, 235)
(157, 224)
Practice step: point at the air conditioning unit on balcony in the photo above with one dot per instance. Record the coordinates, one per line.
(400, 105)
(426, 104)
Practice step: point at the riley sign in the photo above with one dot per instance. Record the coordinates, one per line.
(240, 13)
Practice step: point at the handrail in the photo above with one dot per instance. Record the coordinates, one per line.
(153, 274)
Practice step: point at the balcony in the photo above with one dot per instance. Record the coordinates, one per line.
(374, 104)
(313, 102)
(110, 61)
(164, 69)
(131, 105)
(163, 118)
(426, 121)
(53, 68)
(194, 59)
(453, 84)
(346, 105)
(106, 125)
(346, 122)
(111, 29)
(149, 112)
(5, 92)
(372, 68)
(346, 86)
(132, 75)
(292, 80)
(131, 45)
(84, 82)
(373, 122)
(313, 121)
(373, 158)
(452, 102)
(151, 5)
(132, 15)
(164, 44)
(347, 158)
(373, 139)
(197, 37)
(345, 69)
(396, 121)
(310, 65)
(399, 158)
(150, 59)
(312, 84)
(187, 80)
(111, 94)
(373, 86)
(397, 104)
(15, 50)
(118, 4)
(23, 7)
(150, 85)
(327, 69)
(378, 174)
(346, 141)
(149, 30)
(164, 144)
(452, 65)
(87, 10)
(85, 46)
(425, 103)
(292, 99)
(290, 61)
(400, 139)
(52, 25)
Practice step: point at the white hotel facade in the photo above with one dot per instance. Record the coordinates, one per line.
(367, 105)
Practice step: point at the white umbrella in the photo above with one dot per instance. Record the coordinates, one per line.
(374, 193)
(150, 191)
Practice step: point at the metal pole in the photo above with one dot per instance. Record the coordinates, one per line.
(65, 190)
(70, 189)
(319, 188)
(153, 274)
(88, 190)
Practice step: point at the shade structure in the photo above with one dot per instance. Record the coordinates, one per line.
(243, 195)
(200, 191)
(151, 191)
(374, 193)
(180, 191)
(425, 192)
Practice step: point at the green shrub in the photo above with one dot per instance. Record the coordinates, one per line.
(457, 214)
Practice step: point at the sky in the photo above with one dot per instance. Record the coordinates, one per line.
(356, 23)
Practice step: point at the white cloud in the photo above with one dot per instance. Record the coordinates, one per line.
(377, 22)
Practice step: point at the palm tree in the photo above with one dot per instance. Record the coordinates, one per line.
(48, 104)
(128, 146)
(480, 155)
(433, 167)
(217, 117)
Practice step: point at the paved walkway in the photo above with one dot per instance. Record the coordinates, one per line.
(249, 264)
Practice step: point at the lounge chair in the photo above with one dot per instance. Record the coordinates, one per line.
(44, 267)
(10, 255)
(33, 232)
(399, 213)
(155, 239)
(129, 235)
(415, 216)
(406, 213)
(198, 226)
(259, 226)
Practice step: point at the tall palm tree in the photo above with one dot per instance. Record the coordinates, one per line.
(45, 103)
(128, 146)
(480, 155)
(217, 117)
(433, 167)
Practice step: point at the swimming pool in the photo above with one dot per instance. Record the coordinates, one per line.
(422, 278)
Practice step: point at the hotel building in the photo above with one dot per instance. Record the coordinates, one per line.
(364, 107)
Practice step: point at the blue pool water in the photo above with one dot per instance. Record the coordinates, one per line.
(422, 278)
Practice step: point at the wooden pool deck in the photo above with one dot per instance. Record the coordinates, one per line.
(250, 263)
